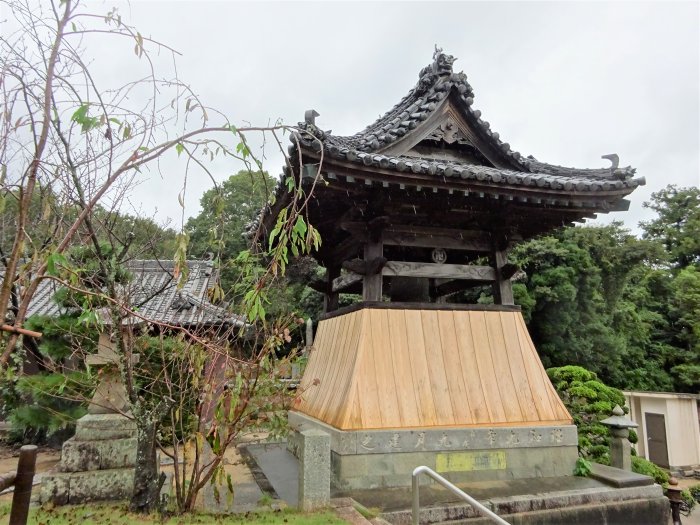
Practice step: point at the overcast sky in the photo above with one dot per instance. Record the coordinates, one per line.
(566, 82)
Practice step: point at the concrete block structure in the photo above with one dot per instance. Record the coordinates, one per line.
(669, 428)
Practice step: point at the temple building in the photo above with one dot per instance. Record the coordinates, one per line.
(415, 210)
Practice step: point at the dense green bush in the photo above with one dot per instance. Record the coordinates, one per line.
(48, 406)
(589, 401)
(695, 492)
(646, 467)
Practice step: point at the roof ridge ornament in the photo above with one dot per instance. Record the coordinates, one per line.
(442, 62)
(614, 159)
(310, 116)
(441, 67)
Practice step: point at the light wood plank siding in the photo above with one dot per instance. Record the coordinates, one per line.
(384, 368)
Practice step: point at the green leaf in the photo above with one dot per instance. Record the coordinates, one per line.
(300, 226)
(80, 114)
(179, 148)
(290, 183)
(52, 261)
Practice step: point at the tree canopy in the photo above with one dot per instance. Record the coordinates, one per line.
(625, 308)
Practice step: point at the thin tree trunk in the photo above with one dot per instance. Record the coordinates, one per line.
(147, 480)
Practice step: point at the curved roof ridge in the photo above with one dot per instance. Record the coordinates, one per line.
(435, 82)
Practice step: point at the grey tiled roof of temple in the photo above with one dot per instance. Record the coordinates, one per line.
(435, 83)
(154, 294)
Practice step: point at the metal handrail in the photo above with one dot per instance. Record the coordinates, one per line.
(449, 486)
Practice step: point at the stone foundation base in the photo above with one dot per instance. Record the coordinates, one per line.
(638, 505)
(62, 488)
(369, 459)
(96, 464)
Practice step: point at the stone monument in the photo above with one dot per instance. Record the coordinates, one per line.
(98, 462)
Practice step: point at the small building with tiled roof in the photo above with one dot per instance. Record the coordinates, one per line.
(153, 292)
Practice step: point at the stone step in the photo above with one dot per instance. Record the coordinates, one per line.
(642, 511)
(616, 477)
(648, 498)
(80, 456)
(97, 427)
(62, 488)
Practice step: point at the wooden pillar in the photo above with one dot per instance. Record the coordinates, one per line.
(372, 284)
(330, 298)
(502, 288)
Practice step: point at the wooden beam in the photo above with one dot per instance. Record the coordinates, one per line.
(342, 283)
(330, 299)
(502, 288)
(425, 237)
(372, 284)
(22, 331)
(318, 285)
(365, 267)
(439, 271)
(449, 287)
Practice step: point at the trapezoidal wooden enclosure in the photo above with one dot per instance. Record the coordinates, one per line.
(385, 368)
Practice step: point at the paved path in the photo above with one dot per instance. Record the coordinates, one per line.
(280, 468)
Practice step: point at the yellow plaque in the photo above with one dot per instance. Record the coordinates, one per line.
(466, 461)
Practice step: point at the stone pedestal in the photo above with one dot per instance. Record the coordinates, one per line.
(96, 464)
(314, 452)
(621, 450)
(369, 459)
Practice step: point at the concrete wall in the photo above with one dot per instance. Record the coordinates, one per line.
(681, 418)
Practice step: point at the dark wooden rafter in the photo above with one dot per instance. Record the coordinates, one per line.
(352, 177)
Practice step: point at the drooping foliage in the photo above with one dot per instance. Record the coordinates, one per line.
(218, 232)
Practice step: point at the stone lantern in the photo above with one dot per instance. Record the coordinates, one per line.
(620, 449)
(98, 462)
(110, 395)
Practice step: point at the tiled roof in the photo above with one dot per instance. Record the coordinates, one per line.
(435, 142)
(154, 294)
(435, 83)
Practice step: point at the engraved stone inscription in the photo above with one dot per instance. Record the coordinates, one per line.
(367, 442)
(468, 461)
(420, 442)
(557, 435)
